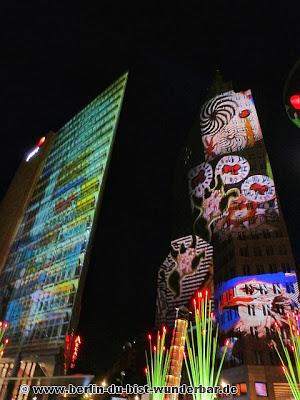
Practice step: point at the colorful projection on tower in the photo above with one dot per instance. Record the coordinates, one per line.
(47, 259)
(229, 123)
(253, 305)
(233, 190)
(187, 268)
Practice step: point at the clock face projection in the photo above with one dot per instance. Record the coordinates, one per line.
(229, 123)
(200, 178)
(232, 169)
(259, 188)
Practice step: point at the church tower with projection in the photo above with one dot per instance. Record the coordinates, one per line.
(235, 214)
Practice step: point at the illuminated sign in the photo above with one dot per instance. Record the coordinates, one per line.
(187, 268)
(261, 389)
(36, 148)
(242, 388)
(72, 344)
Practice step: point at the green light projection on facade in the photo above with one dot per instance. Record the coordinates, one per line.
(47, 260)
(269, 168)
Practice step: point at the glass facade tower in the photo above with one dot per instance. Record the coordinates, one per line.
(44, 272)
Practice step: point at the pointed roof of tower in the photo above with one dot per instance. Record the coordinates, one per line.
(218, 85)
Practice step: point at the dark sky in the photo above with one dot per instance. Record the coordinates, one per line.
(56, 56)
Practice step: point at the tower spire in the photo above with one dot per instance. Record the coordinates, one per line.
(218, 85)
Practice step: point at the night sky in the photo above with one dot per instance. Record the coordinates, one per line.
(56, 56)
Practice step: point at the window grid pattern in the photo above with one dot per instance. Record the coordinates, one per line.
(42, 273)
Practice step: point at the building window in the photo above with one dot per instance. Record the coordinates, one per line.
(286, 267)
(251, 309)
(280, 309)
(249, 289)
(277, 234)
(241, 388)
(269, 251)
(261, 389)
(290, 288)
(257, 251)
(254, 331)
(238, 359)
(254, 235)
(276, 288)
(282, 250)
(266, 310)
(257, 357)
(246, 268)
(244, 251)
(273, 268)
(241, 236)
(229, 295)
(260, 269)
(266, 234)
(273, 357)
(263, 289)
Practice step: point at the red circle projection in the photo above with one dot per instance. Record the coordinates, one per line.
(244, 113)
(295, 101)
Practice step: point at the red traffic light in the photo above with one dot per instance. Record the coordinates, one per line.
(295, 101)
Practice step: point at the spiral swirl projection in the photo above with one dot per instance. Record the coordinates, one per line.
(202, 368)
(290, 360)
(216, 114)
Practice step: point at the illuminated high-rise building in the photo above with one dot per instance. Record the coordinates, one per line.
(50, 233)
(19, 193)
(234, 208)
